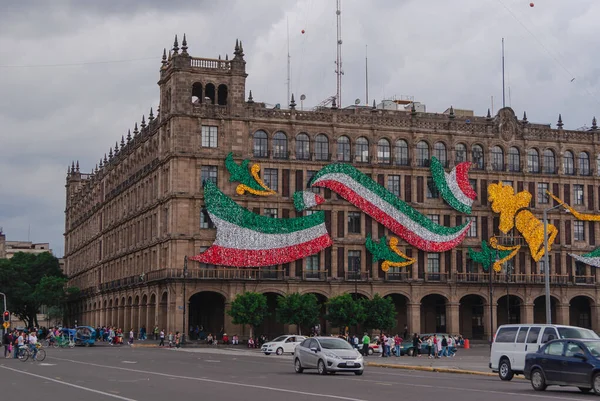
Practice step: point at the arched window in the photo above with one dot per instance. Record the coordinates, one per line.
(321, 147)
(584, 163)
(569, 163)
(222, 95)
(422, 154)
(197, 92)
(302, 147)
(280, 146)
(383, 151)
(343, 149)
(361, 150)
(460, 153)
(533, 161)
(209, 94)
(514, 159)
(401, 153)
(477, 157)
(497, 158)
(260, 144)
(439, 151)
(549, 162)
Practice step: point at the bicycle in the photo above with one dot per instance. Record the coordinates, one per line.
(63, 342)
(25, 353)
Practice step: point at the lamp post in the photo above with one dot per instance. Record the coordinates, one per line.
(547, 265)
(491, 271)
(185, 273)
(4, 296)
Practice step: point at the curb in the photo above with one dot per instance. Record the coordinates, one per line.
(431, 369)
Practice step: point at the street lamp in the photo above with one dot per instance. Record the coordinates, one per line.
(185, 273)
(547, 264)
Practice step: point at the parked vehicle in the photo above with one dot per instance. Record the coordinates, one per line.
(85, 335)
(328, 355)
(565, 363)
(282, 344)
(375, 348)
(513, 341)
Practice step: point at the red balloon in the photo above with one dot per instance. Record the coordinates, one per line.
(531, 4)
(303, 32)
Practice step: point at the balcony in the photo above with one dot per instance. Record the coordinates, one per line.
(434, 277)
(397, 276)
(314, 275)
(321, 156)
(584, 280)
(356, 276)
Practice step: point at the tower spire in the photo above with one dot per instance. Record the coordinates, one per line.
(184, 46)
(175, 46)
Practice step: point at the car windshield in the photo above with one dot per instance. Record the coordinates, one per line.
(593, 347)
(279, 339)
(335, 343)
(575, 332)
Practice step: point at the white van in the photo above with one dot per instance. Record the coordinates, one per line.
(513, 341)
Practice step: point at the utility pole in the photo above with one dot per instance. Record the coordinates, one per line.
(185, 273)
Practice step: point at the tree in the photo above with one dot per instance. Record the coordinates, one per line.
(344, 311)
(301, 310)
(249, 308)
(30, 281)
(380, 313)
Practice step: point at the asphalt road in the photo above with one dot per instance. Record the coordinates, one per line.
(147, 374)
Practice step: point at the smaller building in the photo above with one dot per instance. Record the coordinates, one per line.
(12, 247)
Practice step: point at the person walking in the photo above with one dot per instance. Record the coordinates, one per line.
(416, 345)
(397, 343)
(162, 338)
(444, 346)
(7, 340)
(429, 347)
(365, 342)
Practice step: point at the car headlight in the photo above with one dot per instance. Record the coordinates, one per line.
(332, 355)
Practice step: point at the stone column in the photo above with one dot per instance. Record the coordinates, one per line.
(595, 310)
(452, 318)
(414, 317)
(527, 313)
(490, 331)
(562, 314)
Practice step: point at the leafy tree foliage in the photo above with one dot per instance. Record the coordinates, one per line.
(301, 310)
(30, 281)
(380, 313)
(344, 311)
(249, 308)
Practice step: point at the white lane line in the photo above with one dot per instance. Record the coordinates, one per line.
(69, 384)
(275, 389)
(472, 390)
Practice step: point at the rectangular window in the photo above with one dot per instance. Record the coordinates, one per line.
(309, 176)
(433, 266)
(432, 191)
(354, 222)
(209, 173)
(271, 212)
(209, 136)
(473, 184)
(271, 178)
(507, 335)
(508, 183)
(205, 221)
(578, 194)
(394, 184)
(434, 217)
(542, 196)
(472, 233)
(312, 266)
(354, 264)
(579, 231)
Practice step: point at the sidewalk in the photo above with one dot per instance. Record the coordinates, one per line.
(474, 360)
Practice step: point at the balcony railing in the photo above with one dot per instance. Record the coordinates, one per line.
(589, 280)
(356, 276)
(434, 277)
(555, 279)
(397, 276)
(314, 275)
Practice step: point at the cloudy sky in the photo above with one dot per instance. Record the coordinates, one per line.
(75, 75)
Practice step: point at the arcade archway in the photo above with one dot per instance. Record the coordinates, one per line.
(509, 310)
(401, 304)
(207, 311)
(580, 312)
(471, 316)
(433, 314)
(539, 309)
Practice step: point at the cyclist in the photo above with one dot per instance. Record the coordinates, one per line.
(33, 342)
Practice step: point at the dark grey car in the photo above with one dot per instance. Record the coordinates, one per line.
(328, 355)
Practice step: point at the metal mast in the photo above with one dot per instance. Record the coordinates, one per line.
(289, 68)
(338, 63)
(366, 75)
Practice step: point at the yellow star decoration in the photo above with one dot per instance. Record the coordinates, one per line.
(385, 266)
(512, 208)
(498, 264)
(242, 188)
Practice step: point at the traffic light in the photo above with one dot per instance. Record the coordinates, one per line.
(6, 316)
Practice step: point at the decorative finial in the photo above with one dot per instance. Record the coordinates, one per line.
(175, 46)
(170, 56)
(164, 58)
(151, 115)
(135, 130)
(122, 141)
(105, 159)
(413, 109)
(560, 122)
(334, 104)
(128, 135)
(236, 51)
(184, 46)
(101, 164)
(110, 154)
(525, 121)
(374, 105)
(72, 166)
(594, 124)
(226, 57)
(250, 99)
(293, 103)
(219, 57)
(143, 124)
(451, 115)
(116, 147)
(489, 115)
(96, 169)
(77, 166)
(241, 49)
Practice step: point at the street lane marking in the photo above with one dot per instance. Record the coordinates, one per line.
(282, 390)
(211, 360)
(69, 384)
(128, 362)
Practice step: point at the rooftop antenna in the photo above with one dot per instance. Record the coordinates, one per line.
(338, 63)
(366, 75)
(289, 65)
(503, 88)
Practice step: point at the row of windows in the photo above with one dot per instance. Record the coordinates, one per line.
(399, 154)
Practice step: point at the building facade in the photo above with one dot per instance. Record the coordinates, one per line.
(130, 222)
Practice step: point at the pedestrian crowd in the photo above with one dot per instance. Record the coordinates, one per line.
(14, 340)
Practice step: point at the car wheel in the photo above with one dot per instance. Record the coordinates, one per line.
(267, 353)
(370, 351)
(321, 367)
(358, 373)
(585, 390)
(596, 383)
(298, 366)
(504, 370)
(279, 351)
(411, 351)
(538, 381)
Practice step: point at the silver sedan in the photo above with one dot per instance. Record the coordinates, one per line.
(328, 355)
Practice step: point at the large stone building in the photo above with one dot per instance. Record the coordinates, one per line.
(130, 223)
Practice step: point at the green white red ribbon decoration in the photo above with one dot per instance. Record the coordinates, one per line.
(375, 200)
(592, 258)
(454, 186)
(306, 199)
(245, 239)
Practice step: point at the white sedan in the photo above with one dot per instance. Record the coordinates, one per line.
(282, 344)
